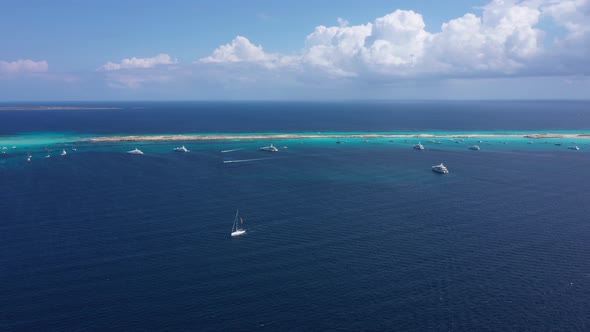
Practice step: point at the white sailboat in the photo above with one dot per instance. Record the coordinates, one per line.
(236, 230)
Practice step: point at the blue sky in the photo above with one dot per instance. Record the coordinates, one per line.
(263, 49)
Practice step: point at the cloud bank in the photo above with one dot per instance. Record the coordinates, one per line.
(23, 67)
(503, 41)
(160, 59)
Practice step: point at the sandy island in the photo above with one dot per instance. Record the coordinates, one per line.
(151, 138)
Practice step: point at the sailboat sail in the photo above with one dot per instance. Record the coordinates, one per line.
(235, 230)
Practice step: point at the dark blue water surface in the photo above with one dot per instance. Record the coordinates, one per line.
(191, 117)
(339, 236)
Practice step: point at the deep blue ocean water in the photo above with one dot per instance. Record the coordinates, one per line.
(355, 236)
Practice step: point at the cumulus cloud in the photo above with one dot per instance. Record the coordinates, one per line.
(23, 66)
(132, 63)
(503, 40)
(242, 50)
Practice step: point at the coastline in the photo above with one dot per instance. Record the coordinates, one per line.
(203, 137)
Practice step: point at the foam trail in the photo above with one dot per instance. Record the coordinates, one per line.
(232, 150)
(242, 160)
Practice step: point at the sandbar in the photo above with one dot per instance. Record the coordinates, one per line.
(204, 137)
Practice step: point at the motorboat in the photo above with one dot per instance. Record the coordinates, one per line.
(440, 169)
(419, 146)
(181, 149)
(474, 147)
(269, 148)
(63, 152)
(573, 147)
(135, 151)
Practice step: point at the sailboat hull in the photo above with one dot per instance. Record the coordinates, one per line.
(238, 232)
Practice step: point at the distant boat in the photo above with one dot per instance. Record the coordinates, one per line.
(63, 152)
(574, 147)
(48, 156)
(269, 148)
(74, 149)
(181, 149)
(474, 147)
(135, 151)
(557, 144)
(29, 157)
(440, 169)
(235, 229)
(419, 146)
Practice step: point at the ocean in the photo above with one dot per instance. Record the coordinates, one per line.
(356, 236)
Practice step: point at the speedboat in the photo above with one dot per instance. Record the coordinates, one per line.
(474, 147)
(419, 146)
(573, 147)
(63, 152)
(440, 169)
(269, 148)
(181, 149)
(135, 151)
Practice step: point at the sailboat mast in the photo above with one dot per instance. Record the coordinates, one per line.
(235, 225)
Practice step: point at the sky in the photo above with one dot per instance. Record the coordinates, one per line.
(296, 50)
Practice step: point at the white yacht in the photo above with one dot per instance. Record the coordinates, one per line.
(440, 169)
(181, 149)
(419, 146)
(269, 148)
(63, 152)
(474, 147)
(573, 147)
(135, 151)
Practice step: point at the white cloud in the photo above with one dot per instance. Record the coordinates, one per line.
(160, 59)
(240, 49)
(23, 66)
(504, 40)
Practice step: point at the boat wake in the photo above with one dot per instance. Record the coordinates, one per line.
(243, 160)
(232, 150)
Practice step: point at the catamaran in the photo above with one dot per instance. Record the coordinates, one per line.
(236, 230)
